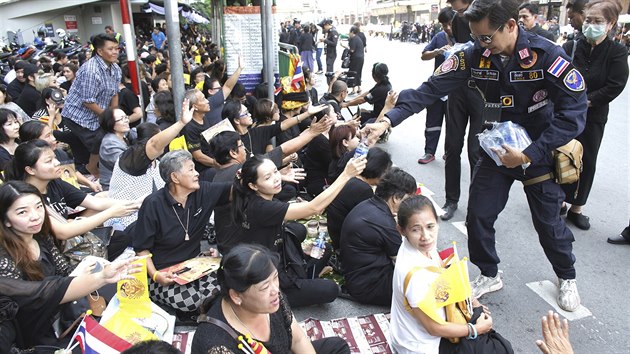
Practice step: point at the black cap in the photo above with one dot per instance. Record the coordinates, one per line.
(325, 22)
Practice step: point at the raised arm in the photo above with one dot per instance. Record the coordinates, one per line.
(233, 79)
(317, 205)
(155, 146)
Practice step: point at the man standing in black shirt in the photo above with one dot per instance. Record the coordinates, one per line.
(528, 18)
(464, 105)
(331, 44)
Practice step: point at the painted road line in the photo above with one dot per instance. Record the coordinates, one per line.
(461, 226)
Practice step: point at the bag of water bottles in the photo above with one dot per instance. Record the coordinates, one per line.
(503, 133)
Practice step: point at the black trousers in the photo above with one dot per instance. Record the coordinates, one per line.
(356, 65)
(331, 56)
(489, 191)
(591, 139)
(433, 126)
(464, 104)
(331, 345)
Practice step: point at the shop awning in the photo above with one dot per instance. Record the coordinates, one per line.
(186, 11)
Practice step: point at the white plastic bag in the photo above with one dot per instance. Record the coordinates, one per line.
(504, 133)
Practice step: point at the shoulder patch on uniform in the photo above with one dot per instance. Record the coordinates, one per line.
(559, 65)
(574, 80)
(528, 63)
(450, 64)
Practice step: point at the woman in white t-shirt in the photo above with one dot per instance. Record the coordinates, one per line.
(414, 331)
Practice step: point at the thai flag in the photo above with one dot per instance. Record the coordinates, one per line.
(96, 339)
(297, 76)
(557, 68)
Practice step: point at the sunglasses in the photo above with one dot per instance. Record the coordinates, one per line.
(484, 37)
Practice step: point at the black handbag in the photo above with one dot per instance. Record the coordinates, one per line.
(345, 59)
(487, 343)
(292, 262)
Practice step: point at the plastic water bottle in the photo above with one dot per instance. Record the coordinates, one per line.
(319, 246)
(362, 149)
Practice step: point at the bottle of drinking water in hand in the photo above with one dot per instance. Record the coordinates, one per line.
(362, 149)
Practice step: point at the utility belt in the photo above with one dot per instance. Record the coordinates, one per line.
(567, 165)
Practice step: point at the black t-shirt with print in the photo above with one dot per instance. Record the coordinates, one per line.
(60, 195)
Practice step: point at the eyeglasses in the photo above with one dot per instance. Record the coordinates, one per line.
(125, 117)
(244, 114)
(215, 88)
(484, 37)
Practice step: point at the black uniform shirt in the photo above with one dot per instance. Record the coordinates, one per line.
(537, 88)
(369, 239)
(160, 231)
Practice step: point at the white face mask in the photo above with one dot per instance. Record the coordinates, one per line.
(593, 32)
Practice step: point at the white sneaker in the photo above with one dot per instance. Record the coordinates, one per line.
(483, 285)
(568, 298)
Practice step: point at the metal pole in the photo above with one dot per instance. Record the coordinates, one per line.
(268, 62)
(175, 54)
(263, 32)
(130, 47)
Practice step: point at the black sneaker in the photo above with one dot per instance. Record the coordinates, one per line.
(578, 219)
(449, 209)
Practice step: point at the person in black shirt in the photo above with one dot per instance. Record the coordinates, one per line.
(170, 226)
(251, 298)
(128, 101)
(34, 274)
(357, 57)
(14, 89)
(465, 106)
(370, 240)
(30, 96)
(259, 218)
(306, 43)
(376, 96)
(604, 65)
(528, 18)
(256, 139)
(357, 190)
(331, 44)
(35, 163)
(196, 143)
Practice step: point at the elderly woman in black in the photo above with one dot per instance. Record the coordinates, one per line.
(604, 65)
(251, 304)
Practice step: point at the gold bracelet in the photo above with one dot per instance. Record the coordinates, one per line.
(154, 276)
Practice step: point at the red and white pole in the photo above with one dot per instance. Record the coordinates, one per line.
(130, 46)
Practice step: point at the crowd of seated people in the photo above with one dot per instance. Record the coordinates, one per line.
(160, 181)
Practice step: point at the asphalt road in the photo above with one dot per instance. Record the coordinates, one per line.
(603, 270)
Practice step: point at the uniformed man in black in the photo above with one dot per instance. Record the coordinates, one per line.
(331, 44)
(528, 18)
(464, 106)
(535, 86)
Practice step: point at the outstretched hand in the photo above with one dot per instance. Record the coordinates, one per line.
(316, 109)
(119, 270)
(555, 335)
(322, 125)
(292, 175)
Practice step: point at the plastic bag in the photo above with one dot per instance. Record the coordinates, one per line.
(458, 47)
(504, 133)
